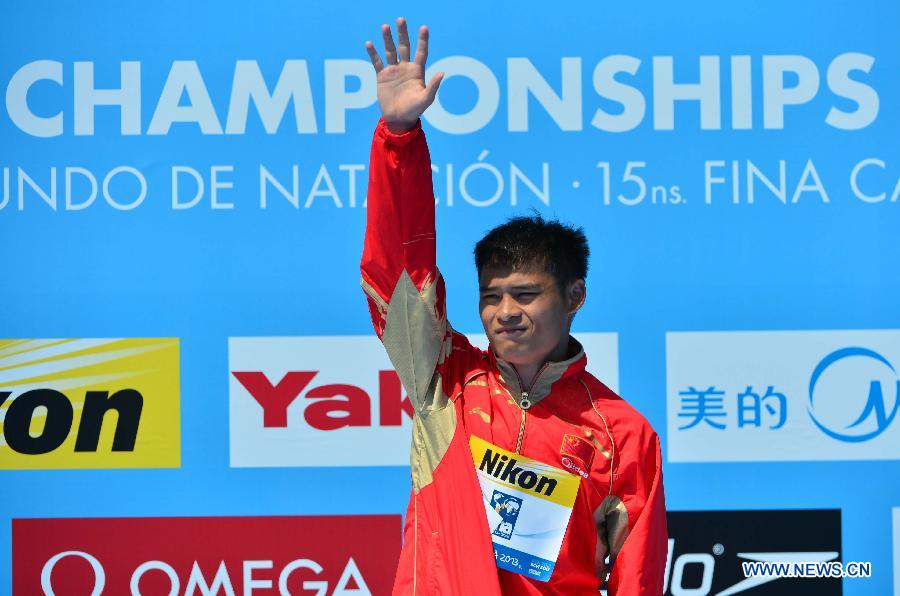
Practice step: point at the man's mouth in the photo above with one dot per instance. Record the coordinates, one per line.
(511, 331)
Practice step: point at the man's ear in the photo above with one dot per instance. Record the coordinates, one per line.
(575, 296)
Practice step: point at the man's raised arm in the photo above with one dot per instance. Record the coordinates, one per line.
(399, 273)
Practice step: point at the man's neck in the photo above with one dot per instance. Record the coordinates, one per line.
(528, 372)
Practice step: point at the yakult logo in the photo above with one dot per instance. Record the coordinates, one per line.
(293, 555)
(316, 401)
(333, 405)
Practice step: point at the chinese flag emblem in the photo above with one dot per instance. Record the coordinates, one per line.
(578, 447)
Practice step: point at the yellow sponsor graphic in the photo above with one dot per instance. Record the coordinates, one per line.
(523, 473)
(89, 403)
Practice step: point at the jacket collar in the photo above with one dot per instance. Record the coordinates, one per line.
(549, 374)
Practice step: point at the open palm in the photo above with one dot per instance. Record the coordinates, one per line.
(402, 93)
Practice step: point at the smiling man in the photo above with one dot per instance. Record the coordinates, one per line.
(530, 476)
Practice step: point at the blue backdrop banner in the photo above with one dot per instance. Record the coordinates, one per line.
(182, 331)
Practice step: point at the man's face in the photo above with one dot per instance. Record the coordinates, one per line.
(523, 313)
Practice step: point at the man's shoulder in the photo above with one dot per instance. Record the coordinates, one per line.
(622, 415)
(465, 359)
(461, 345)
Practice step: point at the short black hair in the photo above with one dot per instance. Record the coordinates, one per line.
(525, 242)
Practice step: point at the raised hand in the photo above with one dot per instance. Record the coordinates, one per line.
(402, 93)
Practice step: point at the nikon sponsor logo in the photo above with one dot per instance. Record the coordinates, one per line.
(89, 403)
(60, 414)
(505, 469)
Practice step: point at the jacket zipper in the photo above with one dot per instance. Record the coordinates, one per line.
(521, 434)
(524, 405)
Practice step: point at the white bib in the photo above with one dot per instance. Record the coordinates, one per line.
(528, 505)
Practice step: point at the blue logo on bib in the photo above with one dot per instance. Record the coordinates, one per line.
(508, 507)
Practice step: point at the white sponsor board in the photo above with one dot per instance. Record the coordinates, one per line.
(335, 400)
(783, 395)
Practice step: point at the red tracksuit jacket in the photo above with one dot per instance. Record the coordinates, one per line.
(457, 390)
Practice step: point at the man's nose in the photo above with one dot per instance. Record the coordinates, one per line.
(508, 308)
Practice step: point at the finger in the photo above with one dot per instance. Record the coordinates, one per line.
(432, 89)
(374, 57)
(403, 39)
(422, 47)
(390, 52)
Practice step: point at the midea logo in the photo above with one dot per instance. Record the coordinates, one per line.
(849, 394)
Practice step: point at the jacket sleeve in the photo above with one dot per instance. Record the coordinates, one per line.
(404, 289)
(639, 567)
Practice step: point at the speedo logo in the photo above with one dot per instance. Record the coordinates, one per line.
(505, 469)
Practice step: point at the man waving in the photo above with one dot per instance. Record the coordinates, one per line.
(530, 476)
